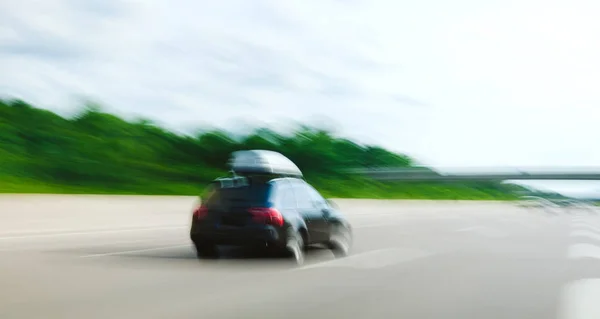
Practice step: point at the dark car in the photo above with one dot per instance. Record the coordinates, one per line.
(282, 215)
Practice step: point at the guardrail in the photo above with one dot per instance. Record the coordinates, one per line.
(424, 174)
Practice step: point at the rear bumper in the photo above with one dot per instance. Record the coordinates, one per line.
(236, 236)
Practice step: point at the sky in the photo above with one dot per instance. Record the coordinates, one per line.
(463, 83)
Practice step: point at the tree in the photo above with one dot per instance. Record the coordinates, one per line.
(96, 150)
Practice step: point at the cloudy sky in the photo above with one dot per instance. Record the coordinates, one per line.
(452, 83)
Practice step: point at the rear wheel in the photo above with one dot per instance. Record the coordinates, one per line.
(340, 241)
(206, 251)
(295, 247)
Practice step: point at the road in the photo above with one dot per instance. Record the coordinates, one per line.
(130, 257)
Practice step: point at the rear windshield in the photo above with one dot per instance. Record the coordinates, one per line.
(255, 194)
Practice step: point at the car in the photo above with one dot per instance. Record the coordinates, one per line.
(267, 204)
(535, 201)
(576, 204)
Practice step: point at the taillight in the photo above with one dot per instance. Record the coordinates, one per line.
(265, 215)
(200, 212)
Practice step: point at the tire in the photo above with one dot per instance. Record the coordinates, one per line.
(340, 242)
(206, 251)
(295, 247)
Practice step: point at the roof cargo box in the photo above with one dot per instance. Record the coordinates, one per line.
(263, 162)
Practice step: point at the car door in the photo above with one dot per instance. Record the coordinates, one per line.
(323, 210)
(311, 213)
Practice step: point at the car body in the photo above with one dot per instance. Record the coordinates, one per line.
(576, 204)
(534, 201)
(282, 214)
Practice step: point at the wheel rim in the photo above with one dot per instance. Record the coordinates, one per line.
(342, 240)
(295, 247)
(298, 255)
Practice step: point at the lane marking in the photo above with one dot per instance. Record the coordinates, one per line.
(577, 251)
(589, 227)
(91, 232)
(585, 233)
(580, 220)
(403, 214)
(80, 229)
(579, 300)
(375, 225)
(373, 259)
(135, 251)
(484, 231)
(45, 246)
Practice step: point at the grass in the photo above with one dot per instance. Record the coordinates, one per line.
(340, 188)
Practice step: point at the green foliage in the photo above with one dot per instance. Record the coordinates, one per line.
(97, 152)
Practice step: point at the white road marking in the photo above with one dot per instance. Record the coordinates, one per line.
(583, 221)
(80, 229)
(579, 300)
(403, 215)
(90, 232)
(532, 224)
(589, 227)
(375, 214)
(484, 231)
(44, 246)
(375, 225)
(135, 251)
(374, 259)
(577, 251)
(585, 233)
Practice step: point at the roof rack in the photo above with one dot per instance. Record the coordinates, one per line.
(232, 181)
(259, 162)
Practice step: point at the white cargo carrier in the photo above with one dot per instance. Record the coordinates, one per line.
(262, 162)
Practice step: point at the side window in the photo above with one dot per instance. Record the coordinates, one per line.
(315, 197)
(303, 196)
(287, 200)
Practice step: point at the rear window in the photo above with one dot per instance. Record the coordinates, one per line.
(255, 194)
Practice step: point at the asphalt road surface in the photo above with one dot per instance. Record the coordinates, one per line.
(130, 257)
